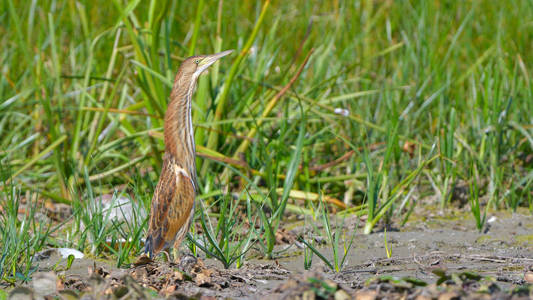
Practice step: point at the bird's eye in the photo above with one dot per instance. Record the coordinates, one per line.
(197, 61)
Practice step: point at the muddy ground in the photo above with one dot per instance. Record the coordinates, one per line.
(432, 257)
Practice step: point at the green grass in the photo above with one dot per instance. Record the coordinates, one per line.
(437, 94)
(23, 233)
(333, 235)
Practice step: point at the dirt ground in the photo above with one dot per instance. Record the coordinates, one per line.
(432, 258)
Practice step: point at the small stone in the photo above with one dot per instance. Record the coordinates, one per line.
(45, 283)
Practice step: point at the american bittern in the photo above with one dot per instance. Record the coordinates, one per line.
(173, 201)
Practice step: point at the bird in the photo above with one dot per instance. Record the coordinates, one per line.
(172, 207)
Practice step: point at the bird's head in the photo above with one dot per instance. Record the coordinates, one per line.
(195, 65)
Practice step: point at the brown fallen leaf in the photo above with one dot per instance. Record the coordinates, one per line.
(207, 272)
(201, 279)
(59, 284)
(409, 148)
(178, 276)
(168, 289)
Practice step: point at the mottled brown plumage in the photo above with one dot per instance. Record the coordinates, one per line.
(173, 201)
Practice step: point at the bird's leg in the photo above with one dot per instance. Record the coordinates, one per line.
(175, 254)
(185, 260)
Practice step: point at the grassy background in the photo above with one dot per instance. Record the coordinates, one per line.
(398, 103)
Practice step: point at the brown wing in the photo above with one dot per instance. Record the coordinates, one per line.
(171, 207)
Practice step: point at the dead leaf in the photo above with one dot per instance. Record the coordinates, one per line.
(59, 284)
(168, 289)
(201, 279)
(207, 272)
(178, 276)
(409, 148)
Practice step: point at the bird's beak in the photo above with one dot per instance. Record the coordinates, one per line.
(208, 60)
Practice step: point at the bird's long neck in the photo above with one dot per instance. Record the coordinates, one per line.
(179, 133)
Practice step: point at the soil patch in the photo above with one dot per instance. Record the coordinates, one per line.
(432, 258)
